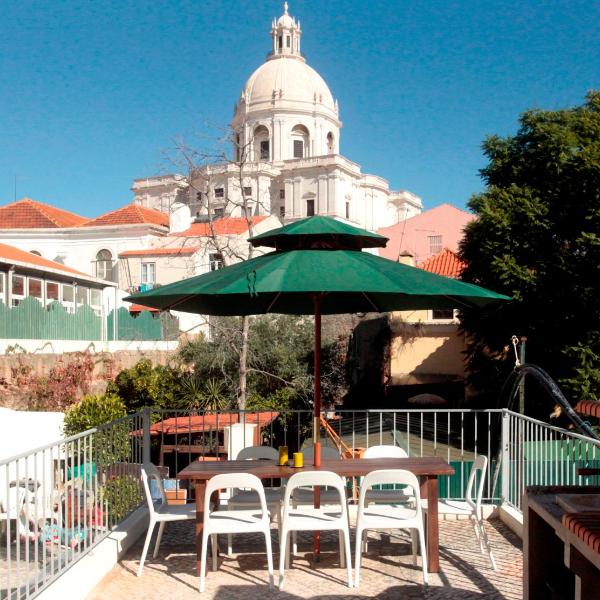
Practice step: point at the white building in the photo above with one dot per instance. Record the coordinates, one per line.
(286, 134)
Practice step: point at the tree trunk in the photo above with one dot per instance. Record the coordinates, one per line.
(243, 366)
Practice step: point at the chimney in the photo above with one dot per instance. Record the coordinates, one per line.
(406, 258)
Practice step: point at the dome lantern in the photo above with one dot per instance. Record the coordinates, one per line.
(286, 33)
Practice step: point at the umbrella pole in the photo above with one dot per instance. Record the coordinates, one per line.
(317, 418)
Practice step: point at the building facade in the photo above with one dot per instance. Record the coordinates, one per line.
(285, 157)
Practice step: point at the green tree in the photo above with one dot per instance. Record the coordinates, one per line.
(537, 238)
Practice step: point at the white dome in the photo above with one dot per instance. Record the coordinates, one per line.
(288, 80)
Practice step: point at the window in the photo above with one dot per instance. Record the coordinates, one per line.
(347, 210)
(81, 295)
(288, 41)
(310, 208)
(442, 314)
(282, 194)
(219, 192)
(298, 149)
(35, 288)
(96, 301)
(51, 292)
(148, 274)
(264, 149)
(247, 191)
(18, 289)
(104, 265)
(215, 261)
(435, 243)
(330, 143)
(218, 212)
(280, 41)
(282, 211)
(68, 297)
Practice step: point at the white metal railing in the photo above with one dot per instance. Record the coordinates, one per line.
(535, 453)
(60, 500)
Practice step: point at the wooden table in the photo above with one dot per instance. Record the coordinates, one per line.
(556, 563)
(427, 469)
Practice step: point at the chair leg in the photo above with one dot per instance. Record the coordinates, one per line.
(161, 528)
(358, 554)
(295, 543)
(269, 557)
(414, 535)
(214, 551)
(488, 546)
(341, 544)
(287, 551)
(203, 560)
(282, 555)
(229, 544)
(348, 559)
(146, 546)
(423, 555)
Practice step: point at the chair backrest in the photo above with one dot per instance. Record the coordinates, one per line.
(258, 453)
(235, 480)
(327, 453)
(305, 479)
(385, 451)
(149, 471)
(479, 466)
(390, 476)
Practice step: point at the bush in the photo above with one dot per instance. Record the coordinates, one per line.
(92, 411)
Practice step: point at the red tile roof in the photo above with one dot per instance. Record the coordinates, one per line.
(10, 253)
(444, 263)
(226, 226)
(31, 214)
(209, 422)
(131, 214)
(183, 251)
(590, 408)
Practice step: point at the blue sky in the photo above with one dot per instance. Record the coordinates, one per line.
(92, 94)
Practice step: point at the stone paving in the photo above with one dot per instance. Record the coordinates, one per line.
(387, 571)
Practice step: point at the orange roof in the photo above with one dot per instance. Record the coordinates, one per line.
(10, 253)
(184, 250)
(226, 226)
(141, 307)
(444, 263)
(131, 214)
(591, 408)
(31, 214)
(209, 422)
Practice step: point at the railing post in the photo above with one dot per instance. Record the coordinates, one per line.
(146, 436)
(505, 457)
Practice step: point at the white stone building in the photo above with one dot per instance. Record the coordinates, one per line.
(286, 135)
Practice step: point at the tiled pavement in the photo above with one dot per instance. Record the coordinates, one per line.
(387, 572)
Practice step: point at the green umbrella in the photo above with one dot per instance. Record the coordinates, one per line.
(317, 268)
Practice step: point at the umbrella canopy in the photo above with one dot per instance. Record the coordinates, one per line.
(286, 282)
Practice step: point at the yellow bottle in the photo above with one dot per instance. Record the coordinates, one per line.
(298, 460)
(283, 456)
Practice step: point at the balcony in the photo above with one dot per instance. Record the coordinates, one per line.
(63, 503)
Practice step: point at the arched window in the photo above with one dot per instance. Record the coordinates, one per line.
(104, 265)
(262, 149)
(330, 143)
(300, 141)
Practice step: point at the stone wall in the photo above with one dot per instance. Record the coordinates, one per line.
(106, 366)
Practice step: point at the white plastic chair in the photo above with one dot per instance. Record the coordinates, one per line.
(234, 521)
(161, 512)
(390, 516)
(390, 496)
(249, 498)
(471, 508)
(308, 518)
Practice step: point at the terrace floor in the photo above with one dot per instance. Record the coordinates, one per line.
(386, 573)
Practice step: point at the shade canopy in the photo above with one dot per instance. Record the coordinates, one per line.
(319, 232)
(286, 282)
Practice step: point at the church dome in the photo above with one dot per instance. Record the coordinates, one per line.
(286, 80)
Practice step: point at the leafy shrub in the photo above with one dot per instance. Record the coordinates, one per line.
(92, 411)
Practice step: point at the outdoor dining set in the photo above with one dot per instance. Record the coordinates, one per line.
(396, 492)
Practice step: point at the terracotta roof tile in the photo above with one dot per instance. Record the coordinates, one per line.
(141, 307)
(131, 214)
(226, 226)
(444, 263)
(10, 253)
(31, 214)
(183, 251)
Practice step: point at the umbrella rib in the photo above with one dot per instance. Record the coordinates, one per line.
(273, 302)
(376, 308)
